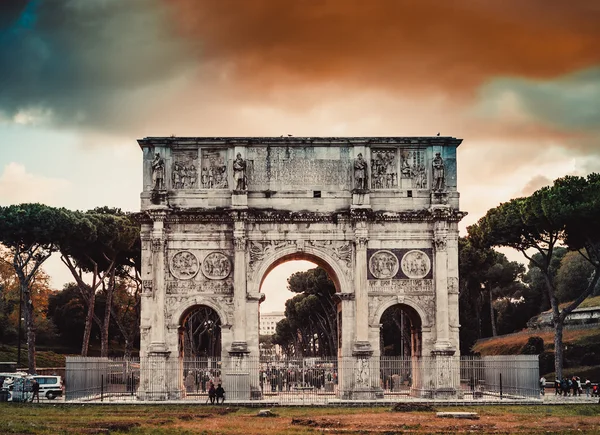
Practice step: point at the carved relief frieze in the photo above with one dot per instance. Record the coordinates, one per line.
(383, 265)
(340, 250)
(384, 168)
(214, 169)
(216, 265)
(413, 168)
(408, 286)
(184, 265)
(184, 173)
(416, 264)
(258, 250)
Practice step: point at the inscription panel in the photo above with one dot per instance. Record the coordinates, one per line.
(407, 286)
(298, 167)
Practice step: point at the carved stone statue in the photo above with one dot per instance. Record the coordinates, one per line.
(239, 172)
(438, 173)
(360, 172)
(158, 172)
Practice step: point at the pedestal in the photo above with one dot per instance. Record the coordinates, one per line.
(237, 376)
(361, 198)
(239, 199)
(445, 380)
(161, 377)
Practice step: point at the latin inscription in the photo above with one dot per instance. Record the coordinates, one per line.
(401, 286)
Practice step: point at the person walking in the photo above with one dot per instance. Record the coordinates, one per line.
(543, 386)
(35, 389)
(588, 385)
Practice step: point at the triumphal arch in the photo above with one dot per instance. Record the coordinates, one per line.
(379, 214)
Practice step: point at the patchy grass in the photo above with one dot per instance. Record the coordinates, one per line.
(197, 419)
(43, 358)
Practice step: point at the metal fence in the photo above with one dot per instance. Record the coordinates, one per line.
(304, 380)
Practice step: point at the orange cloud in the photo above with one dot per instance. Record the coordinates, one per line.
(407, 45)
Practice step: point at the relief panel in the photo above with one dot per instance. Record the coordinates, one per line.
(399, 263)
(184, 173)
(384, 168)
(214, 169)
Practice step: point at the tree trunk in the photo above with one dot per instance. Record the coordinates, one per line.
(492, 316)
(558, 348)
(29, 325)
(87, 331)
(107, 310)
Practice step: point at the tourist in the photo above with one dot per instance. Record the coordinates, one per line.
(220, 394)
(565, 386)
(212, 393)
(35, 388)
(557, 387)
(574, 388)
(543, 386)
(588, 385)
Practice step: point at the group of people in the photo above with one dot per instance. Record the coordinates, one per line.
(207, 381)
(572, 386)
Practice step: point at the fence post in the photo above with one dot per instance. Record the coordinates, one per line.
(500, 385)
(101, 388)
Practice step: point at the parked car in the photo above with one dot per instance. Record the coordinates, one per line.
(51, 386)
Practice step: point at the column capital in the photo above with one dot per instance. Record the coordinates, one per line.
(440, 241)
(158, 244)
(240, 243)
(361, 242)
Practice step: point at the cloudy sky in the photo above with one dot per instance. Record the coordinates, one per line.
(518, 80)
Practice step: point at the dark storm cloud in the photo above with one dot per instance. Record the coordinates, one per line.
(86, 62)
(571, 102)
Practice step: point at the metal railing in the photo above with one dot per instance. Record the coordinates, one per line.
(304, 380)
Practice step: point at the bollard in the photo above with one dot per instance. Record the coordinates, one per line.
(500, 385)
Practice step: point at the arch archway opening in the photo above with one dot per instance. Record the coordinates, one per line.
(200, 333)
(305, 321)
(400, 332)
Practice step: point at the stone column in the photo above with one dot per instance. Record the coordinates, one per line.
(157, 333)
(442, 339)
(239, 288)
(361, 296)
(161, 375)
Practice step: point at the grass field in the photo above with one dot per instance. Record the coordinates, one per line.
(188, 419)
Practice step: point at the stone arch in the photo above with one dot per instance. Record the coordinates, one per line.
(183, 308)
(425, 320)
(319, 256)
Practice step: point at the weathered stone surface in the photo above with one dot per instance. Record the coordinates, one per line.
(384, 226)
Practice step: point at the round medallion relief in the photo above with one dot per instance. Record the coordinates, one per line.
(416, 264)
(184, 265)
(216, 266)
(383, 265)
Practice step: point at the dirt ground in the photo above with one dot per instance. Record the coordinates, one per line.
(190, 419)
(402, 422)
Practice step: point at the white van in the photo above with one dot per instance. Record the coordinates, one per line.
(51, 386)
